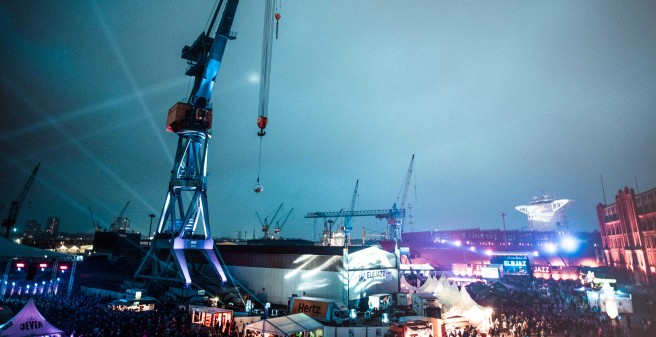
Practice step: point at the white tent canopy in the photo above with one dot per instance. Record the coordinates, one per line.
(429, 286)
(28, 322)
(286, 325)
(406, 287)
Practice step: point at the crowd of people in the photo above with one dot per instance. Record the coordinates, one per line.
(559, 307)
(93, 316)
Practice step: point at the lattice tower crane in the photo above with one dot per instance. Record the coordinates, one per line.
(181, 218)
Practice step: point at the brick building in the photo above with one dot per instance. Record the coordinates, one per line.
(628, 234)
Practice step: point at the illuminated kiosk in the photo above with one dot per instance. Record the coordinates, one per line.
(545, 213)
(211, 316)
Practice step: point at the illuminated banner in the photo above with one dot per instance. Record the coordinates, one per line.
(542, 269)
(373, 275)
(375, 281)
(513, 265)
(490, 272)
(317, 309)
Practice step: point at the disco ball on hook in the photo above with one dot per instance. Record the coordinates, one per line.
(258, 188)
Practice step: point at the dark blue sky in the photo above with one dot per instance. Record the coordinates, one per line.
(499, 101)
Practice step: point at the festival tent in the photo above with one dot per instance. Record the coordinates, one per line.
(284, 326)
(474, 312)
(406, 287)
(464, 300)
(429, 285)
(449, 296)
(29, 322)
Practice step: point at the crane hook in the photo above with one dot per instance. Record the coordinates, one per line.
(277, 16)
(259, 188)
(262, 122)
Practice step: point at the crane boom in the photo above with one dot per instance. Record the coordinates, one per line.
(202, 92)
(407, 182)
(276, 213)
(124, 208)
(378, 213)
(204, 57)
(10, 221)
(280, 226)
(347, 218)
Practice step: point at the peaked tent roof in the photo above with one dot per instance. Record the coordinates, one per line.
(406, 286)
(286, 325)
(28, 322)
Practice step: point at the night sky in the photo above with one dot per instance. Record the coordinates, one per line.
(499, 102)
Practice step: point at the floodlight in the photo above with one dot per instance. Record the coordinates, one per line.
(569, 243)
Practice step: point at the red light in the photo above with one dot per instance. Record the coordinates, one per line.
(20, 265)
(63, 267)
(43, 265)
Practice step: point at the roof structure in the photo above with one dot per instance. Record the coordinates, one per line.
(11, 249)
(28, 322)
(286, 325)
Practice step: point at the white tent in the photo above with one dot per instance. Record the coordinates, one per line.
(29, 322)
(449, 296)
(475, 313)
(464, 300)
(406, 287)
(429, 286)
(284, 326)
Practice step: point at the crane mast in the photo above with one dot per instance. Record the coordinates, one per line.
(185, 211)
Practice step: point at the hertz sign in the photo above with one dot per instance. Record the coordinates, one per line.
(310, 308)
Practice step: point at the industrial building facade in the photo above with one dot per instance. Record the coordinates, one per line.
(628, 234)
(275, 273)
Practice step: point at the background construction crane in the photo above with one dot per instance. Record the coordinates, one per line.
(266, 223)
(396, 223)
(121, 222)
(279, 226)
(347, 218)
(10, 221)
(394, 216)
(96, 226)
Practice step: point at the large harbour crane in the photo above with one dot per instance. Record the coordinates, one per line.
(15, 207)
(184, 223)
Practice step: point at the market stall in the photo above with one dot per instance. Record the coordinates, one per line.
(211, 316)
(134, 304)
